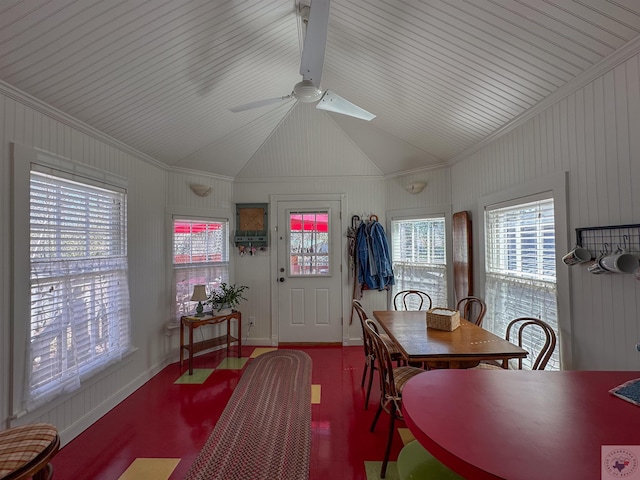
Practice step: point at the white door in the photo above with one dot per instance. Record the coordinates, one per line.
(308, 271)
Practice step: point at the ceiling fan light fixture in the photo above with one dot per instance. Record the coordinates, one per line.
(314, 43)
(307, 92)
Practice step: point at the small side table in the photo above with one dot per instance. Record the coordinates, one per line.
(25, 451)
(192, 322)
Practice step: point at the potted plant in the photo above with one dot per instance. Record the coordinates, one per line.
(226, 297)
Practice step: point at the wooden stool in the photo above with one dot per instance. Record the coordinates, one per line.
(25, 451)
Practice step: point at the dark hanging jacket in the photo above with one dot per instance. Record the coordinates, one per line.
(374, 261)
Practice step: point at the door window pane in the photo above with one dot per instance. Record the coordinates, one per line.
(309, 243)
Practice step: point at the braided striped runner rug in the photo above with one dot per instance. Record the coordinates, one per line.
(264, 431)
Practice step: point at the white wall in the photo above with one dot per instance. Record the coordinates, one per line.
(181, 201)
(30, 123)
(437, 191)
(594, 135)
(363, 195)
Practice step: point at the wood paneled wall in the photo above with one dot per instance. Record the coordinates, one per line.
(594, 135)
(30, 123)
(363, 195)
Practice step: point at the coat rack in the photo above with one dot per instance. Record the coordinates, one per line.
(353, 233)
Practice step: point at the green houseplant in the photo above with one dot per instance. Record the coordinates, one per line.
(226, 297)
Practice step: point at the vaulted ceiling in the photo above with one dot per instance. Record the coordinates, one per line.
(440, 75)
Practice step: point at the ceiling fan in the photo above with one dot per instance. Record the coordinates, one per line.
(308, 90)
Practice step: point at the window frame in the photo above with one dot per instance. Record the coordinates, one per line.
(22, 160)
(309, 259)
(425, 213)
(554, 186)
(172, 265)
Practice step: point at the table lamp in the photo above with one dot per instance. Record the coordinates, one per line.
(199, 295)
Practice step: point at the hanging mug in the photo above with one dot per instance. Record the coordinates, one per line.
(620, 262)
(596, 267)
(577, 255)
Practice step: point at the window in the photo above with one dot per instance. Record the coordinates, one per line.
(419, 257)
(200, 257)
(80, 319)
(309, 243)
(520, 257)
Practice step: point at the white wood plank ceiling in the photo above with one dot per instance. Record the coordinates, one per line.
(441, 75)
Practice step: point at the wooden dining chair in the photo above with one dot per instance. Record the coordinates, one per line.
(472, 309)
(412, 300)
(531, 334)
(392, 381)
(369, 351)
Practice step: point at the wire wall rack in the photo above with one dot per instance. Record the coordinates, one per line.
(604, 240)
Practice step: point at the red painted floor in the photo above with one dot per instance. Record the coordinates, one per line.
(165, 420)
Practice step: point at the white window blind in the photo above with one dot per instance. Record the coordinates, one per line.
(520, 269)
(200, 257)
(419, 256)
(80, 318)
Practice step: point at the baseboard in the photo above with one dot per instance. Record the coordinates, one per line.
(257, 342)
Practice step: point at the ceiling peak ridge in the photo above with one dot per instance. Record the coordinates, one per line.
(310, 179)
(233, 133)
(200, 173)
(354, 143)
(267, 138)
(438, 162)
(413, 171)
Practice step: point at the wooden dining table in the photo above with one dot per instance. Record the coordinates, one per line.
(464, 347)
(525, 425)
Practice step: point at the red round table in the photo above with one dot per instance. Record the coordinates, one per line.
(511, 424)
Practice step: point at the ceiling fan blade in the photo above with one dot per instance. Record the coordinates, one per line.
(259, 103)
(315, 41)
(335, 103)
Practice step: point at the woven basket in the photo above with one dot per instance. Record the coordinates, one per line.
(443, 319)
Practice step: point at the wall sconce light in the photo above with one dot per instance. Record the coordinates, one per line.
(415, 187)
(200, 190)
(199, 295)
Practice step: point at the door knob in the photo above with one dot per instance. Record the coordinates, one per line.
(281, 279)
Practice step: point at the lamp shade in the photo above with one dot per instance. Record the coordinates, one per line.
(200, 190)
(199, 293)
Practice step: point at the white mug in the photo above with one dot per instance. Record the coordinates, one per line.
(620, 262)
(596, 267)
(577, 255)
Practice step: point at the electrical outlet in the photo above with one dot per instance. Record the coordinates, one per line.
(252, 320)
